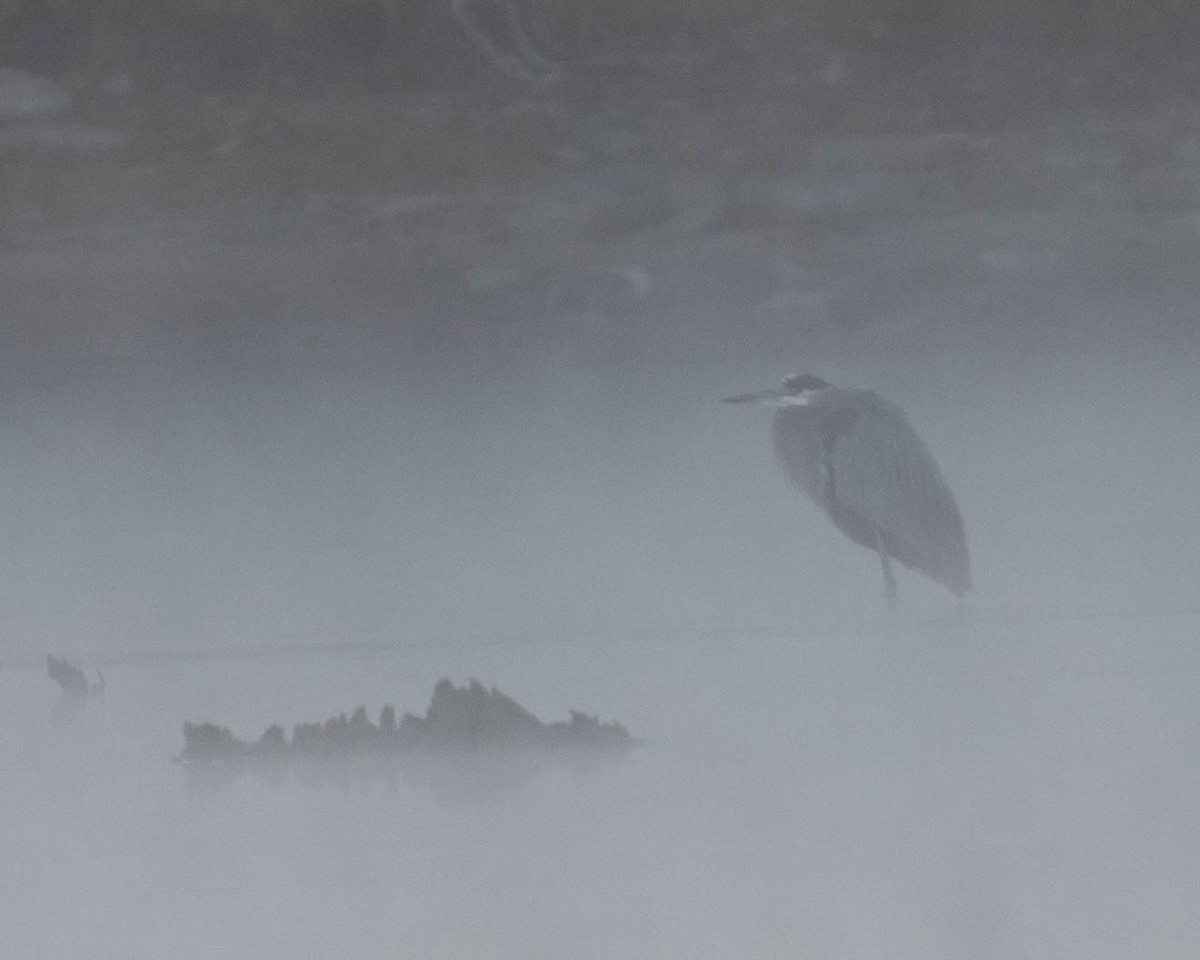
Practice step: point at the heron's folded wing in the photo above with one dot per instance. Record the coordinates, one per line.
(881, 471)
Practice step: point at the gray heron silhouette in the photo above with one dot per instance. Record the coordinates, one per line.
(856, 455)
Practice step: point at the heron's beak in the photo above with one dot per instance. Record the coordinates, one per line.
(770, 397)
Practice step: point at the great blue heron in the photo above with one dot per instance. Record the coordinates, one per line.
(855, 454)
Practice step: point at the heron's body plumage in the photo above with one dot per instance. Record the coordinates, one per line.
(856, 455)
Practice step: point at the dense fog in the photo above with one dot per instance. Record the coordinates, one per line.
(329, 369)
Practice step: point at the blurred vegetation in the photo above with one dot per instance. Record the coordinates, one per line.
(220, 103)
(79, 34)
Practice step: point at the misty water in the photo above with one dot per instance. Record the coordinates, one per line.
(1010, 776)
(263, 467)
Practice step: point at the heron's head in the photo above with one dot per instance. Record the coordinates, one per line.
(798, 390)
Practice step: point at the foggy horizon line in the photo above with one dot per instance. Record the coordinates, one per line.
(967, 614)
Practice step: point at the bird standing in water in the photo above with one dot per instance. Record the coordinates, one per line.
(855, 454)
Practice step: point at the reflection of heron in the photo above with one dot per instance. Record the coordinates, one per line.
(855, 454)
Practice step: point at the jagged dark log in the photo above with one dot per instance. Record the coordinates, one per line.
(471, 722)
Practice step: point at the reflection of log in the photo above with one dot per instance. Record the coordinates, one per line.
(469, 722)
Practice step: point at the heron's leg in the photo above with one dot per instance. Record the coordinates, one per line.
(889, 581)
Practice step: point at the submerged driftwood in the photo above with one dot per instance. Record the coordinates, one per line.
(72, 680)
(472, 727)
